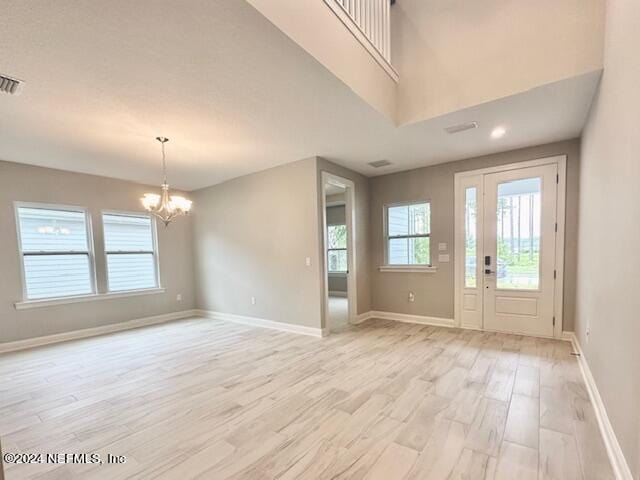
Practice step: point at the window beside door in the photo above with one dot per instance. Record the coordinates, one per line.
(470, 237)
(408, 232)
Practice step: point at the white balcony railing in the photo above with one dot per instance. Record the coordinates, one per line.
(370, 23)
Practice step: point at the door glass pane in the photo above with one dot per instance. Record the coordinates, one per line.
(470, 238)
(518, 248)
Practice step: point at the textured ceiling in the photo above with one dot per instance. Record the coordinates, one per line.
(232, 92)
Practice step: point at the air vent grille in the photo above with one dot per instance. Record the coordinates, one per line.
(380, 163)
(461, 127)
(10, 85)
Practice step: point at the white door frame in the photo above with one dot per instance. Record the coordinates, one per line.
(561, 162)
(350, 221)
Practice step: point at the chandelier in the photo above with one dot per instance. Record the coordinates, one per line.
(164, 206)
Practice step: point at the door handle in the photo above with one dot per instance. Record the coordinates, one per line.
(488, 271)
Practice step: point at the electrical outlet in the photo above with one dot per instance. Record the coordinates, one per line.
(412, 297)
(179, 297)
(253, 300)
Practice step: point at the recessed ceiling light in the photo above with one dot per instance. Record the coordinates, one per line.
(498, 132)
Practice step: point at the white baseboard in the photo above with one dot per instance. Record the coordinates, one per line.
(95, 331)
(618, 462)
(260, 322)
(567, 336)
(338, 294)
(362, 317)
(405, 318)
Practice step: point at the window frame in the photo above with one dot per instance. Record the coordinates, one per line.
(154, 242)
(90, 253)
(409, 267)
(337, 272)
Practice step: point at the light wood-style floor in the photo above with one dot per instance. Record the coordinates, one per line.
(206, 399)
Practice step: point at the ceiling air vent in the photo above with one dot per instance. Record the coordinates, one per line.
(380, 163)
(461, 127)
(10, 85)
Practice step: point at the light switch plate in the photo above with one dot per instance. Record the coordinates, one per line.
(442, 247)
(443, 258)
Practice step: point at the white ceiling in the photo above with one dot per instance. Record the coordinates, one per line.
(232, 92)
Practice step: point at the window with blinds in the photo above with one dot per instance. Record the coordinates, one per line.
(130, 249)
(56, 252)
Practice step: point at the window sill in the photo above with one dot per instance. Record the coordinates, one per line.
(48, 302)
(407, 269)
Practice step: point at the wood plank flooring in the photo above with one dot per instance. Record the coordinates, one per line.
(384, 400)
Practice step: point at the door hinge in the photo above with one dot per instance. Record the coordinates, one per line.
(557, 178)
(554, 321)
(556, 227)
(554, 274)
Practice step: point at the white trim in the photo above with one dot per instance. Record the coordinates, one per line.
(95, 331)
(616, 457)
(49, 302)
(362, 38)
(406, 318)
(437, 322)
(352, 265)
(385, 233)
(91, 257)
(513, 166)
(407, 269)
(362, 317)
(561, 162)
(567, 336)
(263, 323)
(154, 243)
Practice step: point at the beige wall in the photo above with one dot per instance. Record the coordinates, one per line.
(434, 293)
(362, 199)
(453, 54)
(242, 249)
(35, 184)
(313, 26)
(609, 260)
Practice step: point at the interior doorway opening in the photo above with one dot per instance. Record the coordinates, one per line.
(339, 252)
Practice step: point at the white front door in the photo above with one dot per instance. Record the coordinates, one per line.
(519, 249)
(506, 279)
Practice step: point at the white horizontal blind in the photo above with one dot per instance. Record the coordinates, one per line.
(55, 250)
(373, 18)
(130, 249)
